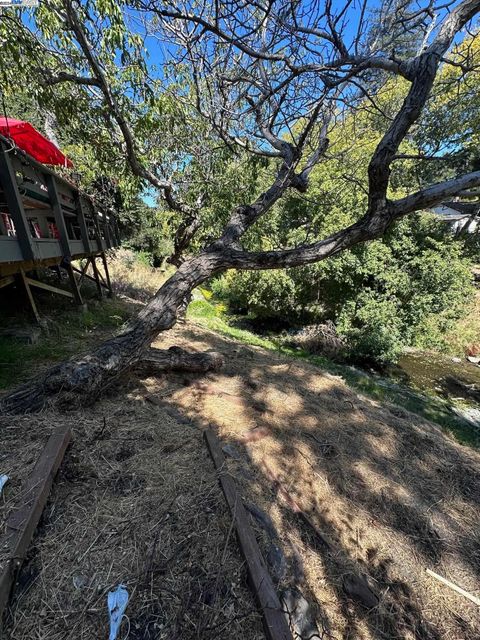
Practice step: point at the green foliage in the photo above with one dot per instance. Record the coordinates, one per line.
(407, 289)
(68, 332)
(373, 327)
(148, 231)
(264, 293)
(204, 309)
(410, 287)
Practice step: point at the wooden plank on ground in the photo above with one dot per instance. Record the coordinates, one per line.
(274, 619)
(22, 522)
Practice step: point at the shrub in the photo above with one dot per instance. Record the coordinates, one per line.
(407, 289)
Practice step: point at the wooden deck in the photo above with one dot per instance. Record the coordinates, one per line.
(45, 220)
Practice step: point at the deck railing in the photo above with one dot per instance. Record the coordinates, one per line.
(44, 217)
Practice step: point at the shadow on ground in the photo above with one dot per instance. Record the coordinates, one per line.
(391, 493)
(354, 490)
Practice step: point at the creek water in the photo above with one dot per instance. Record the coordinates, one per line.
(439, 375)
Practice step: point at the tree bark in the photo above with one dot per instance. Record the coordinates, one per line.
(82, 380)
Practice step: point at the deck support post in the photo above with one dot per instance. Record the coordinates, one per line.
(58, 213)
(30, 296)
(15, 204)
(97, 277)
(82, 223)
(77, 296)
(107, 275)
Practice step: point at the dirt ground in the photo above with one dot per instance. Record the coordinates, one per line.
(344, 489)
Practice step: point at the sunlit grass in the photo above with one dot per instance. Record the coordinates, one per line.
(213, 317)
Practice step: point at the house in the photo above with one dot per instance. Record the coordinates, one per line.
(46, 220)
(463, 217)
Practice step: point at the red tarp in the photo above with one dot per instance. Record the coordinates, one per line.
(32, 142)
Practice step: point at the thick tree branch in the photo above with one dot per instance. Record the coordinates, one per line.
(369, 227)
(424, 70)
(63, 76)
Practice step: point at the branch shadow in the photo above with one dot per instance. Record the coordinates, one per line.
(391, 493)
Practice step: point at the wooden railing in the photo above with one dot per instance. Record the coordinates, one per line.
(44, 217)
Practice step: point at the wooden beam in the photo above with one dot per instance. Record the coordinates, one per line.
(97, 277)
(11, 268)
(6, 281)
(30, 296)
(117, 232)
(83, 274)
(107, 274)
(108, 238)
(48, 287)
(274, 619)
(15, 204)
(73, 282)
(454, 587)
(22, 522)
(96, 226)
(58, 213)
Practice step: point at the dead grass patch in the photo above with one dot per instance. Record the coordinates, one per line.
(137, 502)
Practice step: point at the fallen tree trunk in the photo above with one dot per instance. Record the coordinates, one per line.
(81, 381)
(177, 359)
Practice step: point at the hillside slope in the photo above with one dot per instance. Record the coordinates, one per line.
(345, 487)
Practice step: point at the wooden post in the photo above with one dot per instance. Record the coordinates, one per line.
(83, 272)
(15, 204)
(21, 524)
(73, 282)
(83, 223)
(107, 275)
(58, 213)
(30, 296)
(4, 282)
(96, 226)
(97, 277)
(117, 232)
(108, 237)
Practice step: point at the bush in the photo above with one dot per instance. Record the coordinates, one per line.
(408, 289)
(372, 328)
(265, 294)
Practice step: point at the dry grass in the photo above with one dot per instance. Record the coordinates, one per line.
(134, 279)
(137, 502)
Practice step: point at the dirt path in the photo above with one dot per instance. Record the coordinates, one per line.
(385, 494)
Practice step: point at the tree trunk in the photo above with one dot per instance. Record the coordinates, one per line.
(81, 380)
